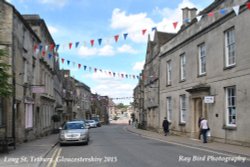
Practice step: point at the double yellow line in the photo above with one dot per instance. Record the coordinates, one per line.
(54, 158)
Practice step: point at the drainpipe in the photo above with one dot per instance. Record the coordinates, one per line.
(14, 88)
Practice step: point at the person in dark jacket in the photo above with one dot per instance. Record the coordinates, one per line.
(165, 125)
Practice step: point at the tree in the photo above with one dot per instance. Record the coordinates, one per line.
(5, 86)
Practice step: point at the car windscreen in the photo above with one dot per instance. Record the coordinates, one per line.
(69, 126)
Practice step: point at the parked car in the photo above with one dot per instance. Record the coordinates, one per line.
(92, 123)
(74, 132)
(97, 120)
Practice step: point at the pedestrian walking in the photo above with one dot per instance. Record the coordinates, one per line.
(129, 122)
(204, 129)
(165, 125)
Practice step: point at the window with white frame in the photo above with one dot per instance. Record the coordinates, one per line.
(169, 72)
(231, 106)
(202, 59)
(183, 108)
(28, 116)
(169, 108)
(183, 66)
(230, 56)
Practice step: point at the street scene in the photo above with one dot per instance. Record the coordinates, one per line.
(127, 83)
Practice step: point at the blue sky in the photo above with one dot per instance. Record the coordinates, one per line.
(84, 20)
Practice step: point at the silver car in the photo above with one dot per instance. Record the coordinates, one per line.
(74, 132)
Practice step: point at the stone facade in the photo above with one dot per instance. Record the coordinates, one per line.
(209, 59)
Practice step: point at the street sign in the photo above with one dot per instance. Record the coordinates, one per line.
(209, 99)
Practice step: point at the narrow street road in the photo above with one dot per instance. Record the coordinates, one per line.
(114, 146)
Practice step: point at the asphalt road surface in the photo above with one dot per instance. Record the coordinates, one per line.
(112, 145)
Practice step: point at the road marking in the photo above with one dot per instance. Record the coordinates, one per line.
(56, 158)
(52, 157)
(179, 144)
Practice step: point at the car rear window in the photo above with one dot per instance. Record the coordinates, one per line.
(68, 126)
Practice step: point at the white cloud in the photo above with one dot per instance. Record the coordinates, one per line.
(138, 65)
(126, 49)
(132, 24)
(53, 30)
(86, 51)
(107, 50)
(60, 3)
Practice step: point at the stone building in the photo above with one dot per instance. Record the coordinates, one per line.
(83, 100)
(151, 79)
(205, 71)
(45, 102)
(19, 39)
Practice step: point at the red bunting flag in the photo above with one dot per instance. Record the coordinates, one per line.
(144, 31)
(35, 47)
(210, 14)
(79, 66)
(62, 60)
(43, 53)
(116, 38)
(92, 42)
(122, 75)
(175, 24)
(51, 47)
(248, 5)
(70, 45)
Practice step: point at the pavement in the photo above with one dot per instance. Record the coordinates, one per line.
(28, 154)
(214, 147)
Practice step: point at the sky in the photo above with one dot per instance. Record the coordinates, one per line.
(72, 21)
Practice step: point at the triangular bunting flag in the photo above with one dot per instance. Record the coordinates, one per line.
(68, 62)
(70, 45)
(114, 74)
(90, 69)
(144, 31)
(198, 18)
(43, 53)
(154, 28)
(62, 60)
(125, 36)
(187, 20)
(49, 56)
(236, 9)
(76, 44)
(40, 47)
(95, 69)
(175, 24)
(51, 47)
(248, 5)
(56, 57)
(92, 42)
(85, 67)
(35, 47)
(74, 64)
(100, 41)
(210, 14)
(57, 47)
(116, 38)
(223, 11)
(79, 66)
(46, 48)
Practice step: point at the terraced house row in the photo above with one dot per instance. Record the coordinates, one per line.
(43, 96)
(201, 71)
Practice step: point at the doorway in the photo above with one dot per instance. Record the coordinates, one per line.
(198, 112)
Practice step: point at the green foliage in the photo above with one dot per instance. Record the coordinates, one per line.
(5, 86)
(121, 106)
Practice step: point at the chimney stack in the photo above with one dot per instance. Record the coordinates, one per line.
(188, 15)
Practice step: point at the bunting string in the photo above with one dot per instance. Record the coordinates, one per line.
(118, 37)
